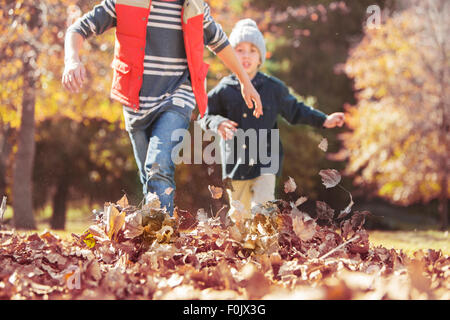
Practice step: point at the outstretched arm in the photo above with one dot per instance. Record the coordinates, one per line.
(216, 40)
(74, 72)
(101, 18)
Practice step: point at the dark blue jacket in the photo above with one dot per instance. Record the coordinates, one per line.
(225, 102)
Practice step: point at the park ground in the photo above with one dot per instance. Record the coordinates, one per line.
(407, 240)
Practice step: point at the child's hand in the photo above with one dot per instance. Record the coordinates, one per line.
(74, 75)
(336, 119)
(227, 129)
(251, 96)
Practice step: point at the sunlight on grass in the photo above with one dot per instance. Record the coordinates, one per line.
(410, 241)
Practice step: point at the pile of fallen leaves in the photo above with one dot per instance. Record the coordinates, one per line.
(277, 252)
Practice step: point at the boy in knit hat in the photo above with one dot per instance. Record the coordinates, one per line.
(159, 75)
(253, 180)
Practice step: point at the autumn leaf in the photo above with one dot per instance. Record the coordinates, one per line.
(323, 145)
(300, 201)
(346, 228)
(238, 214)
(123, 202)
(324, 211)
(89, 240)
(186, 220)
(164, 234)
(228, 184)
(133, 225)
(358, 219)
(114, 220)
(290, 185)
(304, 229)
(152, 201)
(2, 208)
(330, 177)
(216, 192)
(347, 209)
(168, 190)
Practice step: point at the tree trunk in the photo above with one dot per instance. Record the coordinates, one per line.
(443, 209)
(23, 167)
(58, 221)
(5, 150)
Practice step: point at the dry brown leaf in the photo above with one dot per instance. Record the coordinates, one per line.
(216, 192)
(300, 201)
(323, 145)
(305, 230)
(123, 202)
(290, 185)
(330, 177)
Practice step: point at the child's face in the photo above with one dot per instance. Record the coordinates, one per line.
(249, 57)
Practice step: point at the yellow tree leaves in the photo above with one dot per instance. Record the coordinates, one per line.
(27, 31)
(397, 144)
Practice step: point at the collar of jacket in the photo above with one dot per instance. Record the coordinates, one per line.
(233, 81)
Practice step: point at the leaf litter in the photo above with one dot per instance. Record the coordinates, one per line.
(274, 252)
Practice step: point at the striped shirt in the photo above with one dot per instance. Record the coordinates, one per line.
(166, 82)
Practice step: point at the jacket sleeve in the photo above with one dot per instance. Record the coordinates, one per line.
(214, 36)
(215, 113)
(296, 112)
(101, 18)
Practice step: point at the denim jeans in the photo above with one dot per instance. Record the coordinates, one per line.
(152, 149)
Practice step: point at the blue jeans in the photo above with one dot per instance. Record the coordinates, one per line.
(152, 149)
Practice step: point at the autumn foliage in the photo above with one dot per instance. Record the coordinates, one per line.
(398, 144)
(279, 252)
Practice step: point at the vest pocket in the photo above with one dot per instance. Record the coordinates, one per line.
(121, 76)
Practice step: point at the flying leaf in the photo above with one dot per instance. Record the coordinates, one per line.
(324, 211)
(348, 209)
(300, 201)
(216, 192)
(358, 219)
(227, 184)
(152, 201)
(210, 171)
(323, 145)
(168, 190)
(238, 213)
(202, 216)
(346, 228)
(2, 208)
(330, 177)
(290, 185)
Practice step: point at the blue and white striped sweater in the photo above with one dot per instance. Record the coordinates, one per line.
(166, 84)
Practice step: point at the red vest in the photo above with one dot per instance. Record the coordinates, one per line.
(129, 51)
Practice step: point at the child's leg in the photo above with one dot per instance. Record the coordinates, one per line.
(139, 141)
(241, 193)
(159, 166)
(263, 189)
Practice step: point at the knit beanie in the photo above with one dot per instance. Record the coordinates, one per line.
(246, 30)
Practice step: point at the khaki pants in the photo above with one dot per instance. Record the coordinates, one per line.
(252, 192)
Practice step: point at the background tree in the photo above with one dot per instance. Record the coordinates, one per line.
(31, 63)
(400, 126)
(93, 164)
